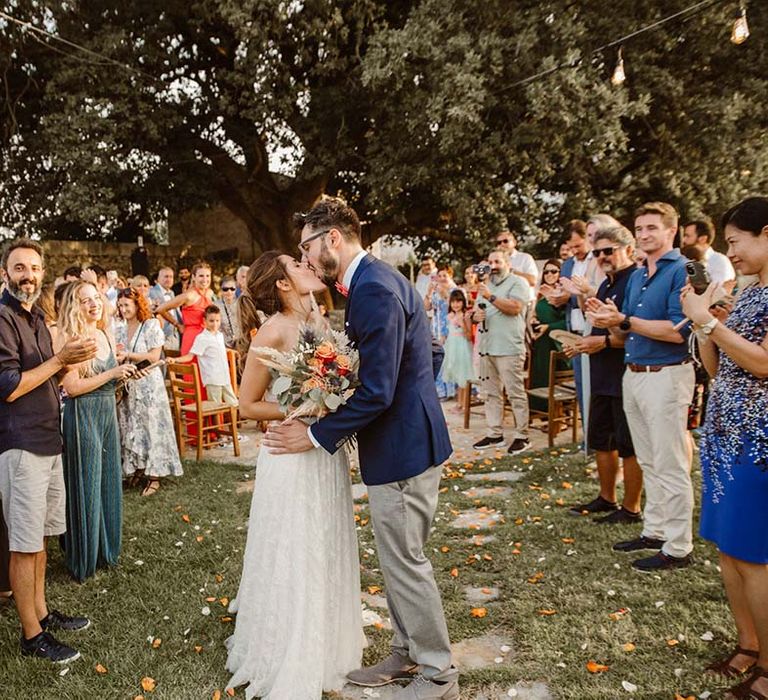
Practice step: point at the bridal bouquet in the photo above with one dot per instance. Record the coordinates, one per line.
(317, 376)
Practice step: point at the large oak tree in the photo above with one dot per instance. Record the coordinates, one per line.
(410, 109)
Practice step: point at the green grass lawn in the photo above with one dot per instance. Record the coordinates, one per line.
(185, 544)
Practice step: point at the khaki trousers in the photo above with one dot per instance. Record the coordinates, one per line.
(505, 372)
(656, 406)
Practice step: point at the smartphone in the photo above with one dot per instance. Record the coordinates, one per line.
(143, 364)
(698, 277)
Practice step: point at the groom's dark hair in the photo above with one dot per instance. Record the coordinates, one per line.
(330, 212)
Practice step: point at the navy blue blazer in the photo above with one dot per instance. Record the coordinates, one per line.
(395, 412)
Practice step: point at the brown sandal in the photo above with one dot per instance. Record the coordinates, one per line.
(744, 690)
(151, 488)
(724, 668)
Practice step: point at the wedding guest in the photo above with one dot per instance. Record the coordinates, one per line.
(501, 313)
(230, 321)
(211, 354)
(141, 283)
(72, 273)
(457, 361)
(546, 318)
(241, 277)
(193, 304)
(470, 285)
(436, 301)
(734, 446)
(31, 478)
(521, 264)
(564, 252)
(183, 279)
(92, 470)
(161, 292)
(657, 388)
(608, 433)
(700, 234)
(427, 275)
(148, 445)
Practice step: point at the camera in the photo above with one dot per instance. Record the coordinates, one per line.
(482, 270)
(698, 277)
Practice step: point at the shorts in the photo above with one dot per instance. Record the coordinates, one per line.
(34, 498)
(221, 394)
(608, 429)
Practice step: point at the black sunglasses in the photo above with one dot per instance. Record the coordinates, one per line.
(552, 271)
(609, 250)
(125, 293)
(228, 289)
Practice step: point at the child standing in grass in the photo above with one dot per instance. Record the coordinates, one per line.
(457, 365)
(211, 353)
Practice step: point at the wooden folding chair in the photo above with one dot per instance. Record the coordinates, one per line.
(560, 395)
(190, 409)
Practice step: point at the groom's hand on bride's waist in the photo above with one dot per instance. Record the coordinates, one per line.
(287, 438)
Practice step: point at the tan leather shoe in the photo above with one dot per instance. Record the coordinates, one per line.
(394, 668)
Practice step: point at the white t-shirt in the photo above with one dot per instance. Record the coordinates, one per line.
(524, 262)
(719, 267)
(211, 356)
(578, 322)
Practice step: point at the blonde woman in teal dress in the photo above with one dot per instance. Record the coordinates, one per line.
(92, 471)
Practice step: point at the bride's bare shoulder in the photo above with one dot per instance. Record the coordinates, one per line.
(274, 333)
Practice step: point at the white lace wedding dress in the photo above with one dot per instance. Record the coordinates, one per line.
(299, 624)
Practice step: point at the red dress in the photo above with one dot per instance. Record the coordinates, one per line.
(193, 316)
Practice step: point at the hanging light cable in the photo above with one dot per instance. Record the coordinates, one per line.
(619, 76)
(740, 31)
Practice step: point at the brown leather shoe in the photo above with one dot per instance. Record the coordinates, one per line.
(394, 668)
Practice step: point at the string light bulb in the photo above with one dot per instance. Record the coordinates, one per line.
(740, 31)
(619, 76)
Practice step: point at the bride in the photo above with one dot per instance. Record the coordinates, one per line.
(299, 625)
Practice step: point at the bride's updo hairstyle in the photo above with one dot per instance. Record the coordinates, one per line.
(260, 297)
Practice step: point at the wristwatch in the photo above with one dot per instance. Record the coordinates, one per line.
(626, 324)
(708, 327)
(492, 298)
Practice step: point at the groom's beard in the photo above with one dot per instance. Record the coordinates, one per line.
(14, 289)
(328, 266)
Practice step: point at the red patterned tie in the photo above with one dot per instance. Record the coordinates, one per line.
(341, 289)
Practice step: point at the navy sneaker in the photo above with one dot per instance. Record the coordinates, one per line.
(44, 646)
(661, 562)
(622, 516)
(637, 544)
(597, 505)
(58, 621)
(487, 442)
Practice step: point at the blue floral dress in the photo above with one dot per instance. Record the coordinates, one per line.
(734, 447)
(440, 332)
(147, 436)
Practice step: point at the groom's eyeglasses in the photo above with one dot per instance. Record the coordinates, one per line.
(304, 245)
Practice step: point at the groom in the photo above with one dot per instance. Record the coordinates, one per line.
(402, 438)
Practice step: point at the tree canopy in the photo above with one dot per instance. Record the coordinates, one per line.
(412, 110)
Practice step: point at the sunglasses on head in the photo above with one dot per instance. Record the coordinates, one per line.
(125, 293)
(228, 289)
(609, 250)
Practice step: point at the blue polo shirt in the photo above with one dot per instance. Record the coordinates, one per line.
(657, 298)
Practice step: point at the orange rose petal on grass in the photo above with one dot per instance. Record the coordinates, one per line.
(478, 612)
(100, 669)
(629, 646)
(454, 572)
(594, 667)
(216, 695)
(373, 590)
(185, 518)
(156, 643)
(231, 692)
(546, 612)
(148, 684)
(672, 642)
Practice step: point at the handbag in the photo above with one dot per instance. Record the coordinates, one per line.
(121, 387)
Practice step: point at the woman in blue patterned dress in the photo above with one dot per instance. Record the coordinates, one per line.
(149, 448)
(92, 472)
(734, 447)
(436, 301)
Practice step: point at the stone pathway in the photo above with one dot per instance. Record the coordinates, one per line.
(474, 653)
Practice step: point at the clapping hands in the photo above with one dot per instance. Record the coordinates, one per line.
(602, 314)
